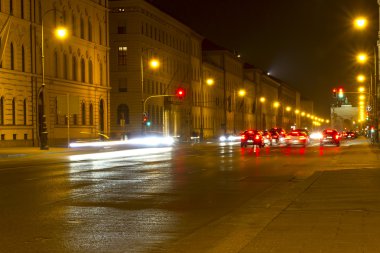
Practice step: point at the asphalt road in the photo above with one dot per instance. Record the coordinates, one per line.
(186, 198)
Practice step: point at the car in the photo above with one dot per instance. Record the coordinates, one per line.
(267, 138)
(306, 132)
(251, 137)
(330, 136)
(297, 137)
(281, 132)
(275, 136)
(351, 135)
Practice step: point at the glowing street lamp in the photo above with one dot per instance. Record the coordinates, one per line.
(154, 63)
(262, 99)
(360, 23)
(360, 78)
(210, 81)
(60, 33)
(362, 58)
(242, 92)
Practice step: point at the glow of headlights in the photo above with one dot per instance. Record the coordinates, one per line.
(316, 135)
(149, 141)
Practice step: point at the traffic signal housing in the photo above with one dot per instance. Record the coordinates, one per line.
(180, 93)
(145, 119)
(340, 93)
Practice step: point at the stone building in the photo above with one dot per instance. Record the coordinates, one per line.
(74, 73)
(140, 32)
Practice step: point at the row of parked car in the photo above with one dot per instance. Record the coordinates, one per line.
(276, 136)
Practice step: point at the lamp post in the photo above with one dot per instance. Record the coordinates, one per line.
(360, 23)
(209, 82)
(61, 33)
(153, 64)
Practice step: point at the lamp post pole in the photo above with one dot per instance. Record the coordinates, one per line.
(42, 119)
(43, 131)
(142, 92)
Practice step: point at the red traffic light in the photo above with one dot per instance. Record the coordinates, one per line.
(180, 93)
(334, 92)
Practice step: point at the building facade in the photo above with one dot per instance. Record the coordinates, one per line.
(139, 32)
(52, 90)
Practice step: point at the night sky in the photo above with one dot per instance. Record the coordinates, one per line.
(310, 44)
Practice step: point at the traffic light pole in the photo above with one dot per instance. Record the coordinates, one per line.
(144, 103)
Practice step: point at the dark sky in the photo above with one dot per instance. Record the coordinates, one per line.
(310, 44)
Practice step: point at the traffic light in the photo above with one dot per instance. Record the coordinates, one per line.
(340, 93)
(145, 119)
(334, 93)
(180, 93)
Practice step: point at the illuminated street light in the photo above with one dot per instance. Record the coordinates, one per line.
(360, 78)
(288, 108)
(276, 104)
(362, 58)
(60, 33)
(262, 99)
(210, 81)
(361, 89)
(360, 23)
(154, 63)
(242, 92)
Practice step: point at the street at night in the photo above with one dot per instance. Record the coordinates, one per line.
(208, 197)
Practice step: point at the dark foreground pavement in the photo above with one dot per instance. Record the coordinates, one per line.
(334, 210)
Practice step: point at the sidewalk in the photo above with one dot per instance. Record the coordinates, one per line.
(17, 152)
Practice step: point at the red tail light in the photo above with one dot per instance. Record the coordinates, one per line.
(302, 137)
(337, 137)
(257, 137)
(242, 137)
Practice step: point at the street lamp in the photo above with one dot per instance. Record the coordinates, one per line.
(360, 78)
(153, 64)
(60, 33)
(209, 81)
(360, 23)
(362, 58)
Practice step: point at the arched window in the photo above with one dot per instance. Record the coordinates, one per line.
(90, 74)
(65, 75)
(81, 28)
(2, 111)
(22, 8)
(74, 69)
(12, 57)
(25, 114)
(91, 114)
(83, 70)
(122, 114)
(14, 111)
(101, 73)
(73, 24)
(83, 113)
(100, 34)
(55, 64)
(89, 29)
(23, 58)
(11, 7)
